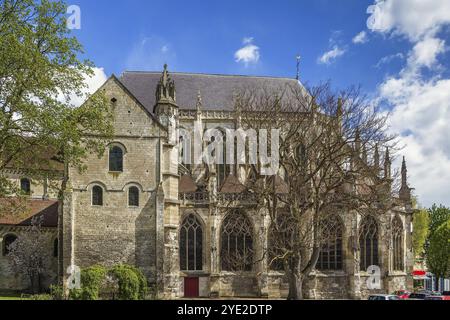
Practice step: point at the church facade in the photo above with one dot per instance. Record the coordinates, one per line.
(138, 205)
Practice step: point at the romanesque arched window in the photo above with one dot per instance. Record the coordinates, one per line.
(282, 237)
(368, 241)
(331, 249)
(397, 245)
(191, 244)
(8, 240)
(97, 196)
(115, 159)
(236, 243)
(133, 197)
(25, 186)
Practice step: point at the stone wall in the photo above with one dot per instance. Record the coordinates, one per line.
(10, 280)
(115, 232)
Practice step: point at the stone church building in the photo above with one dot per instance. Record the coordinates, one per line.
(138, 205)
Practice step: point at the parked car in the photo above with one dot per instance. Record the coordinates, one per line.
(438, 298)
(419, 296)
(383, 297)
(402, 294)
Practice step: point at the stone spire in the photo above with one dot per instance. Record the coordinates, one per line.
(405, 190)
(165, 91)
(376, 159)
(387, 164)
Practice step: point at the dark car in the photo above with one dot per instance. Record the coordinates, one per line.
(418, 296)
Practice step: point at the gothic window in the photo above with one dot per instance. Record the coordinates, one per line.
(236, 243)
(97, 196)
(191, 244)
(282, 236)
(115, 159)
(223, 170)
(133, 197)
(55, 248)
(397, 238)
(368, 241)
(8, 240)
(185, 152)
(331, 249)
(25, 186)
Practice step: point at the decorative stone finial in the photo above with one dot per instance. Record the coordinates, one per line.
(387, 164)
(165, 90)
(199, 101)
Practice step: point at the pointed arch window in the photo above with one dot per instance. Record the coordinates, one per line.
(97, 196)
(369, 241)
(116, 159)
(236, 243)
(25, 186)
(331, 248)
(191, 244)
(223, 169)
(397, 245)
(8, 240)
(133, 197)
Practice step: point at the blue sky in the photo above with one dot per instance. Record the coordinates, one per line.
(400, 59)
(203, 36)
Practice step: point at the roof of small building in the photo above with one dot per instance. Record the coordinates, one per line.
(217, 91)
(187, 185)
(34, 208)
(232, 185)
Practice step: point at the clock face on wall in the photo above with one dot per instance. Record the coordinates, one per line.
(164, 119)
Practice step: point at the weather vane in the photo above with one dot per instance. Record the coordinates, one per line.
(298, 67)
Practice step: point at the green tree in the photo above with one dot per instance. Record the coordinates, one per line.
(40, 70)
(438, 216)
(420, 232)
(438, 253)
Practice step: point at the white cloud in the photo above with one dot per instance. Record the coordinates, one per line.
(411, 18)
(425, 53)
(330, 56)
(422, 113)
(249, 54)
(388, 59)
(420, 102)
(92, 84)
(360, 38)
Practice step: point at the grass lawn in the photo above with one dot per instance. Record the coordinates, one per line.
(11, 298)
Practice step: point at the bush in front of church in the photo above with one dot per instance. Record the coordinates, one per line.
(121, 282)
(132, 284)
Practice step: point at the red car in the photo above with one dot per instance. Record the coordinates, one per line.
(403, 294)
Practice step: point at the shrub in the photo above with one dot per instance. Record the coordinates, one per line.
(57, 292)
(91, 280)
(132, 284)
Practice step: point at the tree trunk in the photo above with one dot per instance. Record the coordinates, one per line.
(295, 286)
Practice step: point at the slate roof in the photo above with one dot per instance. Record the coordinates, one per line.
(216, 90)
